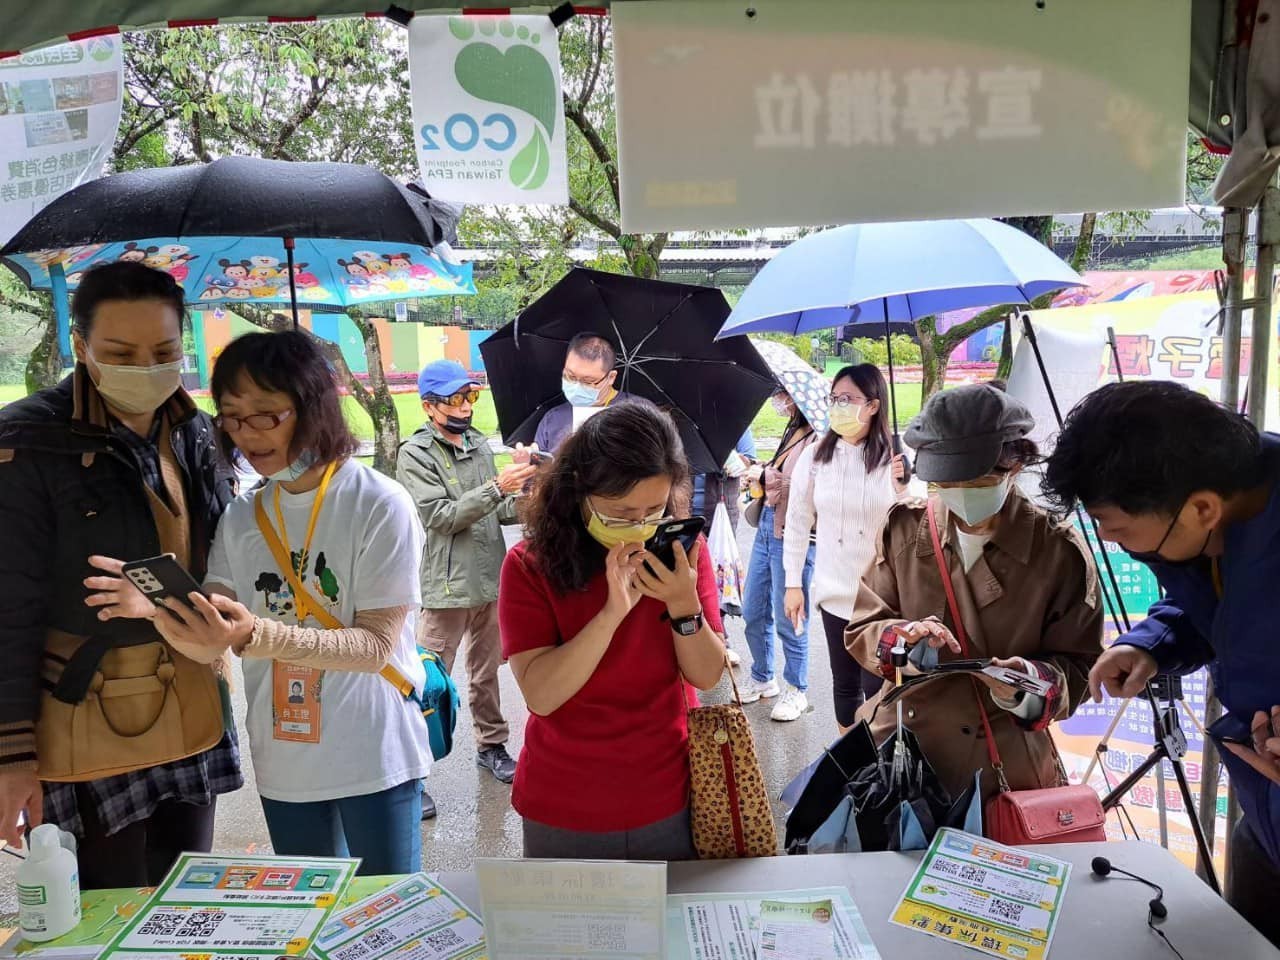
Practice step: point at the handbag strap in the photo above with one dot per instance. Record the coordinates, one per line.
(993, 752)
(314, 607)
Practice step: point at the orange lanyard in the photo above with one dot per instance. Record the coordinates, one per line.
(301, 560)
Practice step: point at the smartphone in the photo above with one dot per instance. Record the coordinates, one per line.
(662, 543)
(963, 665)
(162, 577)
(538, 458)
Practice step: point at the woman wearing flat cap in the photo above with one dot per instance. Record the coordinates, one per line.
(1026, 590)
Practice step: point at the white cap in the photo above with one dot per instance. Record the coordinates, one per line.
(45, 841)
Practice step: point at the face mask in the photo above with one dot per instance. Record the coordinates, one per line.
(847, 421)
(610, 537)
(1155, 556)
(579, 394)
(781, 407)
(456, 425)
(137, 389)
(974, 505)
(306, 460)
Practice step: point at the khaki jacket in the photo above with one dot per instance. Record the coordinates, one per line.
(1033, 594)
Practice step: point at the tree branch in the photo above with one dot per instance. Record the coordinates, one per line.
(589, 88)
(598, 147)
(130, 139)
(599, 221)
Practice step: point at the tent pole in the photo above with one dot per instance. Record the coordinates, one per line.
(61, 313)
(1264, 277)
(1233, 250)
(293, 286)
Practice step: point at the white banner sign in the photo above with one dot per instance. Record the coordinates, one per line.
(792, 112)
(487, 113)
(59, 113)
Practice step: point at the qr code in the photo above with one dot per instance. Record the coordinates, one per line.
(161, 924)
(606, 936)
(973, 874)
(377, 939)
(201, 924)
(1005, 910)
(355, 950)
(442, 940)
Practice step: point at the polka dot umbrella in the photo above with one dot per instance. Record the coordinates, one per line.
(808, 388)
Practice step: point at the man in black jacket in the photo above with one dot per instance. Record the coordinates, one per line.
(114, 462)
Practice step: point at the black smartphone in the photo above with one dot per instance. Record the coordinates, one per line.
(686, 531)
(963, 665)
(538, 458)
(162, 577)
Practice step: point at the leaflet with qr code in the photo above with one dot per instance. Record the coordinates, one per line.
(414, 919)
(998, 900)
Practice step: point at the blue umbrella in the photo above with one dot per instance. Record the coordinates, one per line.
(256, 270)
(887, 272)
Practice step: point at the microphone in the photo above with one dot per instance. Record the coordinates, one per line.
(1156, 910)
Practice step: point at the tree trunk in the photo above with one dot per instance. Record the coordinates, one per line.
(1084, 242)
(44, 366)
(641, 261)
(1005, 366)
(933, 363)
(377, 400)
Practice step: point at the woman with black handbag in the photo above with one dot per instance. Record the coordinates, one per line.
(1020, 590)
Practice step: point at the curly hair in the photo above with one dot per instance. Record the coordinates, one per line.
(606, 457)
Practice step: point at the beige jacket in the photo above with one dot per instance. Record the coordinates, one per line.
(1033, 594)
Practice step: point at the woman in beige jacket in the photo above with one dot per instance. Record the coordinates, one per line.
(1026, 589)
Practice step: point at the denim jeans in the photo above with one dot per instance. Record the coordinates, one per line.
(383, 829)
(764, 609)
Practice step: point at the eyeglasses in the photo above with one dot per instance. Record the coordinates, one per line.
(844, 401)
(256, 421)
(569, 377)
(461, 397)
(623, 522)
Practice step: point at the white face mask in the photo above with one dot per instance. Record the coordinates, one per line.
(306, 460)
(137, 389)
(974, 505)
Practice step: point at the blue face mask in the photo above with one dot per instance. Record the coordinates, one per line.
(579, 394)
(306, 460)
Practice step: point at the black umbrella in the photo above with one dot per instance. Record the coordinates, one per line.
(667, 353)
(240, 197)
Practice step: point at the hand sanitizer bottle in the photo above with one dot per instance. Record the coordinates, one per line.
(48, 887)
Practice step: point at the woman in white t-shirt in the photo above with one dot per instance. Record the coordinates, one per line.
(338, 752)
(846, 484)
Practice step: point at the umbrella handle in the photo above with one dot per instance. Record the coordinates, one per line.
(899, 451)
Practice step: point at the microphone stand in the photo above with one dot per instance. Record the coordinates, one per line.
(1170, 741)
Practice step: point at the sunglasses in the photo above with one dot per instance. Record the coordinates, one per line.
(461, 397)
(256, 421)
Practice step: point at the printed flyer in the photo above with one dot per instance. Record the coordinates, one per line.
(414, 919)
(225, 907)
(1000, 900)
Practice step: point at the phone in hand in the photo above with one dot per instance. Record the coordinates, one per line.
(662, 543)
(539, 457)
(162, 578)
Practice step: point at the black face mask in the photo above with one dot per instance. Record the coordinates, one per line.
(456, 425)
(1155, 556)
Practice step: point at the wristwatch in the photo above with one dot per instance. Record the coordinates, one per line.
(685, 626)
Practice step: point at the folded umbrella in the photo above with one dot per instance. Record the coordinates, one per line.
(665, 336)
(726, 559)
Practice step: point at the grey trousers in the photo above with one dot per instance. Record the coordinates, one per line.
(668, 839)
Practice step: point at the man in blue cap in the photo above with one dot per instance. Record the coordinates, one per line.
(463, 500)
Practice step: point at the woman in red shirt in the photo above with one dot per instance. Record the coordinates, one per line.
(603, 648)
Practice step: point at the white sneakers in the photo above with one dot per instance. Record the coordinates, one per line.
(793, 705)
(751, 690)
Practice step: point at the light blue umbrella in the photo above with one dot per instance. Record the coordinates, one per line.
(886, 272)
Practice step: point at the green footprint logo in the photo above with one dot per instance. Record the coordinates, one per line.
(519, 77)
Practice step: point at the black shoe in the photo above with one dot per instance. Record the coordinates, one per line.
(428, 806)
(498, 762)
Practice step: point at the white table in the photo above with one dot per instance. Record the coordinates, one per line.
(1100, 920)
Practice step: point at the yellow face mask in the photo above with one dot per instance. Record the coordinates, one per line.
(609, 532)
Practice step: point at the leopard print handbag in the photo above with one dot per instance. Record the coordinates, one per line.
(729, 806)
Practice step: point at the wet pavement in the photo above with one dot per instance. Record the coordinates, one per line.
(476, 819)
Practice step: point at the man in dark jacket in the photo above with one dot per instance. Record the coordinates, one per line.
(115, 463)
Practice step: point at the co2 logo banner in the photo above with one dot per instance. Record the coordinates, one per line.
(487, 116)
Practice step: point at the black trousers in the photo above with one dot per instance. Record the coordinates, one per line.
(1253, 880)
(140, 854)
(851, 685)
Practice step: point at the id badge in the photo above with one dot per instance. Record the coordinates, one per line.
(295, 702)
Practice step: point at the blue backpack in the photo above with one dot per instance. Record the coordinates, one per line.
(438, 700)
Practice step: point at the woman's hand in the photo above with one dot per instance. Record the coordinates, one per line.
(116, 595)
(793, 604)
(620, 566)
(934, 632)
(205, 633)
(1002, 691)
(678, 587)
(900, 472)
